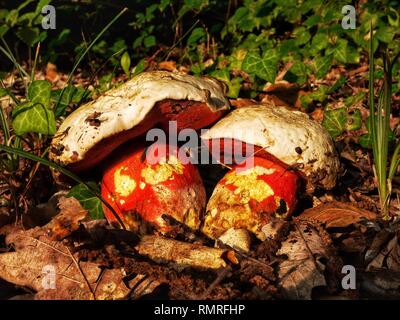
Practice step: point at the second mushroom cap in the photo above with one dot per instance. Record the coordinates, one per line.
(290, 137)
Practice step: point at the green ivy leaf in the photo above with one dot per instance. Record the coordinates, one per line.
(40, 92)
(353, 56)
(234, 87)
(318, 95)
(340, 51)
(236, 59)
(385, 34)
(322, 66)
(69, 94)
(28, 35)
(351, 100)
(149, 41)
(139, 67)
(301, 36)
(196, 35)
(233, 84)
(297, 73)
(264, 67)
(319, 42)
(12, 17)
(335, 121)
(365, 141)
(312, 20)
(338, 84)
(126, 62)
(393, 18)
(88, 201)
(33, 117)
(354, 121)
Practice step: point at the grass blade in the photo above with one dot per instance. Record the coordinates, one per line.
(80, 58)
(35, 62)
(8, 53)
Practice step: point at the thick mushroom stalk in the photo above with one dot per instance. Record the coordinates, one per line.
(248, 197)
(150, 183)
(284, 136)
(94, 130)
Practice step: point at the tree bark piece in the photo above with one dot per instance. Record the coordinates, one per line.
(181, 254)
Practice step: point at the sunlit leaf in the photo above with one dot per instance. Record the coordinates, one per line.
(87, 199)
(33, 117)
(126, 62)
(264, 67)
(39, 92)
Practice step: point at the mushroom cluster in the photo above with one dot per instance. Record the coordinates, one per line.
(290, 151)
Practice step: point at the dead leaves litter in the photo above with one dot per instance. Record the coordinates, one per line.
(384, 252)
(50, 268)
(306, 253)
(337, 214)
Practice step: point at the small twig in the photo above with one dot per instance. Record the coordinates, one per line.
(98, 281)
(220, 276)
(81, 272)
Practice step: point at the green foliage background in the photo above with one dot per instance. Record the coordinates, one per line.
(212, 37)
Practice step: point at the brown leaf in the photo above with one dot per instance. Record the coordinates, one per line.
(380, 285)
(384, 252)
(167, 65)
(51, 73)
(337, 214)
(42, 213)
(67, 221)
(282, 93)
(37, 262)
(38, 259)
(303, 268)
(241, 102)
(317, 115)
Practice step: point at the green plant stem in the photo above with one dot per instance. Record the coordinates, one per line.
(35, 62)
(8, 53)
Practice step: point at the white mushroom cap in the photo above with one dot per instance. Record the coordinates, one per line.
(290, 136)
(125, 107)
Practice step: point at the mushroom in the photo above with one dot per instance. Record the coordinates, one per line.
(286, 146)
(284, 136)
(93, 131)
(136, 184)
(249, 197)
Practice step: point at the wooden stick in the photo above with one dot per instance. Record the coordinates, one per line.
(181, 254)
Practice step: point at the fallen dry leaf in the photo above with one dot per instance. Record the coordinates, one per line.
(380, 285)
(51, 73)
(67, 221)
(49, 268)
(317, 115)
(241, 102)
(42, 213)
(281, 93)
(303, 268)
(384, 252)
(167, 65)
(337, 214)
